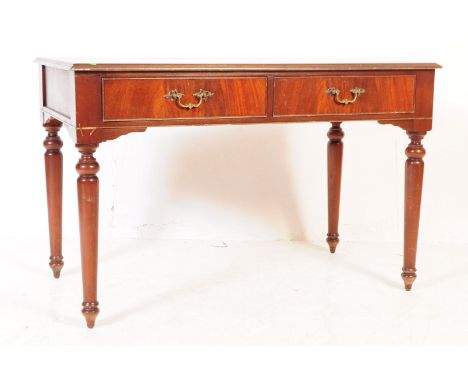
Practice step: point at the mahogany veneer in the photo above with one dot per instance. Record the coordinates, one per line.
(100, 102)
(304, 96)
(134, 99)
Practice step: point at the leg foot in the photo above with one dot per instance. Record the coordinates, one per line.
(56, 264)
(334, 160)
(408, 275)
(332, 240)
(90, 311)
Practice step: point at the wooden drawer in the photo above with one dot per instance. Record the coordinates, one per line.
(306, 96)
(127, 99)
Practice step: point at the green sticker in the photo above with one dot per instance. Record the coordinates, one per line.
(92, 64)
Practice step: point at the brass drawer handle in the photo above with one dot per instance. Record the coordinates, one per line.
(202, 96)
(334, 92)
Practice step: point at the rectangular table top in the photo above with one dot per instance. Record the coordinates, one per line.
(158, 65)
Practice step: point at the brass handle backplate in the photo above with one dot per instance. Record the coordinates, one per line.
(334, 92)
(202, 96)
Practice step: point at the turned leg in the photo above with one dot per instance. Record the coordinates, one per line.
(335, 156)
(54, 170)
(414, 171)
(88, 204)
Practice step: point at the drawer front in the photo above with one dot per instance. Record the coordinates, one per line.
(335, 95)
(126, 99)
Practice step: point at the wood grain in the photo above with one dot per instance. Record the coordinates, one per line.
(144, 98)
(308, 95)
(89, 111)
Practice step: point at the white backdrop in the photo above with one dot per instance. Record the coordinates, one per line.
(265, 182)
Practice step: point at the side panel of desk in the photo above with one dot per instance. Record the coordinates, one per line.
(58, 94)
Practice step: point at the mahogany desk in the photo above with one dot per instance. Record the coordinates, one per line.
(100, 102)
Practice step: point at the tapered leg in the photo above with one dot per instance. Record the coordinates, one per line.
(413, 188)
(54, 171)
(88, 204)
(335, 157)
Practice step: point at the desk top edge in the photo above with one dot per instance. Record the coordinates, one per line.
(199, 67)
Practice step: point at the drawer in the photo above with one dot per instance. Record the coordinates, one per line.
(126, 99)
(338, 95)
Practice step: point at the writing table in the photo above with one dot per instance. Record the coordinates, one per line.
(100, 102)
